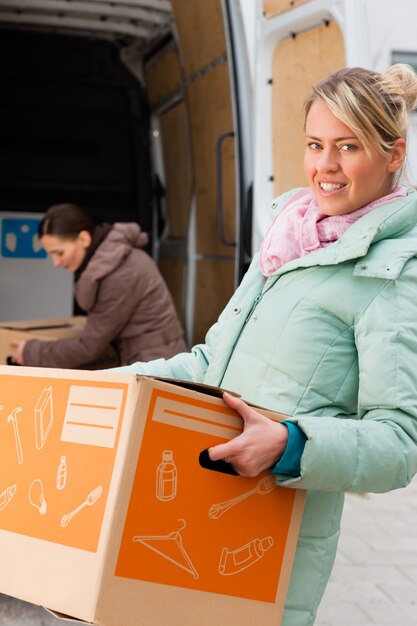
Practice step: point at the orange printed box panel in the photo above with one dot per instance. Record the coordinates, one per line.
(101, 489)
(193, 527)
(57, 447)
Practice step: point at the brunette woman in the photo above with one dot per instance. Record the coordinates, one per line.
(127, 302)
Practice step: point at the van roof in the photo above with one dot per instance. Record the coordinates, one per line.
(137, 21)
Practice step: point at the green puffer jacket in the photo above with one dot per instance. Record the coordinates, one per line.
(331, 340)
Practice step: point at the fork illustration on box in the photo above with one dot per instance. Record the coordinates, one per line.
(91, 499)
(262, 487)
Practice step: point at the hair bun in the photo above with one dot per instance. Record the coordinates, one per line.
(404, 82)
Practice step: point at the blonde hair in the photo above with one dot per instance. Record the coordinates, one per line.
(373, 105)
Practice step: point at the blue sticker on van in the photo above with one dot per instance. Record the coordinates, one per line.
(19, 238)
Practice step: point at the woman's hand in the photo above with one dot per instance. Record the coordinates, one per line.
(19, 346)
(258, 447)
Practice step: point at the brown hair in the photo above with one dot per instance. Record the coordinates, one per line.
(373, 105)
(66, 221)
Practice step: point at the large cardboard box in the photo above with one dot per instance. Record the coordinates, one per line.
(49, 330)
(107, 515)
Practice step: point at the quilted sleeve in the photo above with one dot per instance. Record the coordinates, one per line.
(190, 366)
(219, 342)
(376, 452)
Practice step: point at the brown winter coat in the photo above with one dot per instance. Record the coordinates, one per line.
(127, 303)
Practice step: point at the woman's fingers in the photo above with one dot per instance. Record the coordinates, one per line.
(222, 451)
(18, 346)
(259, 445)
(229, 449)
(237, 404)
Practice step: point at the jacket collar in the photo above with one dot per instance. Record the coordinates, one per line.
(391, 224)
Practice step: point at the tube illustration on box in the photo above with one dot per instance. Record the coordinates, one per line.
(262, 487)
(235, 561)
(61, 474)
(37, 497)
(91, 499)
(161, 544)
(6, 496)
(166, 477)
(43, 417)
(13, 419)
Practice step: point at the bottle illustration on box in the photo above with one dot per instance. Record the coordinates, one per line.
(166, 477)
(61, 474)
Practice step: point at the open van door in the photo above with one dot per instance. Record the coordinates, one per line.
(197, 145)
(299, 42)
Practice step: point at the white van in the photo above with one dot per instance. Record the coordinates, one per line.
(184, 115)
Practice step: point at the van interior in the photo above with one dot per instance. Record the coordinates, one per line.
(127, 109)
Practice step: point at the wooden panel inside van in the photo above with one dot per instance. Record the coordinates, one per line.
(214, 284)
(190, 129)
(298, 64)
(163, 76)
(175, 149)
(275, 7)
(172, 263)
(210, 109)
(200, 29)
(173, 272)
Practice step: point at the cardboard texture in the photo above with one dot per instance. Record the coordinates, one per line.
(46, 330)
(107, 516)
(49, 330)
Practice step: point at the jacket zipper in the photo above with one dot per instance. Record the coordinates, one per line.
(255, 303)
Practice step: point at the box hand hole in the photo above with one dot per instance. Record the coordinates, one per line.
(215, 466)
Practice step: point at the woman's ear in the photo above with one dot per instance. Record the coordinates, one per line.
(397, 155)
(84, 238)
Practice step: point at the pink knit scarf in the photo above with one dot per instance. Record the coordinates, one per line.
(300, 228)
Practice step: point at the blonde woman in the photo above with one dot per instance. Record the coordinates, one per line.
(323, 327)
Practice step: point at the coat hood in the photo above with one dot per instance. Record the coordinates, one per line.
(116, 247)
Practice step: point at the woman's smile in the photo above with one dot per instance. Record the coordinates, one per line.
(328, 188)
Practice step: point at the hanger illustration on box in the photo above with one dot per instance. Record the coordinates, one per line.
(161, 544)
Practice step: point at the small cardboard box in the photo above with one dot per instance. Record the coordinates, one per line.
(48, 330)
(107, 516)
